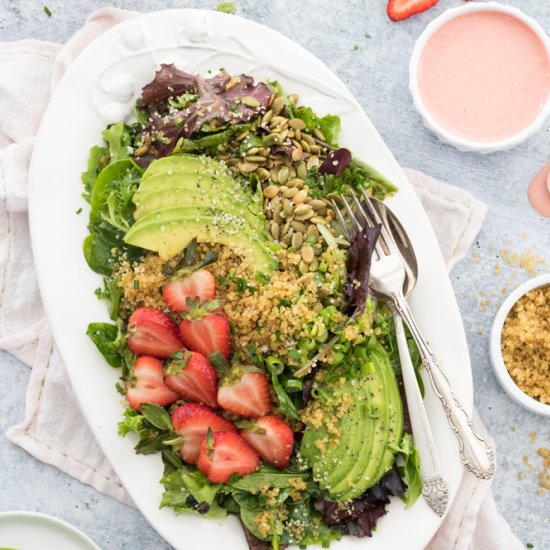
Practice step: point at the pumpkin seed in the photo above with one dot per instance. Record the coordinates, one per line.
(283, 135)
(288, 208)
(313, 266)
(278, 104)
(317, 204)
(297, 154)
(300, 196)
(297, 123)
(298, 135)
(277, 120)
(296, 182)
(140, 151)
(305, 216)
(283, 174)
(232, 162)
(318, 219)
(267, 117)
(248, 167)
(298, 226)
(250, 101)
(301, 170)
(274, 174)
(254, 158)
(312, 231)
(290, 192)
(317, 249)
(270, 191)
(303, 267)
(253, 151)
(315, 149)
(297, 240)
(275, 230)
(242, 135)
(263, 174)
(307, 253)
(287, 239)
(277, 213)
(293, 98)
(318, 134)
(312, 162)
(305, 146)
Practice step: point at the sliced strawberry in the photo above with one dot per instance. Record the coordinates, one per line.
(223, 454)
(152, 332)
(199, 284)
(192, 422)
(194, 378)
(271, 438)
(401, 9)
(146, 384)
(206, 329)
(245, 393)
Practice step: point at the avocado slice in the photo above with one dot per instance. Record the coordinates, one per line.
(193, 196)
(377, 457)
(363, 453)
(169, 230)
(188, 163)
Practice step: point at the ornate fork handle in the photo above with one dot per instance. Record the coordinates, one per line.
(476, 453)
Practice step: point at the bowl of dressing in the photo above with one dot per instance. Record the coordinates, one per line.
(479, 76)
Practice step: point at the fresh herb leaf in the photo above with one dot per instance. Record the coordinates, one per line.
(285, 302)
(105, 336)
(156, 415)
(118, 139)
(47, 11)
(96, 162)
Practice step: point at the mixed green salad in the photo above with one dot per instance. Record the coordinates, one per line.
(254, 359)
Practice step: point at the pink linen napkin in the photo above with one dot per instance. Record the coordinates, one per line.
(28, 70)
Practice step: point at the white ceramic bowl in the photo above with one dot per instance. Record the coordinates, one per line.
(442, 133)
(502, 374)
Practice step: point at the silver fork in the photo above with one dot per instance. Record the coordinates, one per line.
(434, 488)
(387, 278)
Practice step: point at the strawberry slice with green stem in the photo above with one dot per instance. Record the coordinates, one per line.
(223, 454)
(271, 438)
(152, 332)
(188, 280)
(192, 422)
(243, 390)
(146, 384)
(205, 328)
(191, 375)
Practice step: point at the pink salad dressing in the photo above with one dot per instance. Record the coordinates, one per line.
(484, 76)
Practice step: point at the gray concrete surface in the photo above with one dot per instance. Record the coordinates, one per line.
(376, 72)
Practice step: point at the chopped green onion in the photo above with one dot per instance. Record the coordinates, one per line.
(226, 7)
(47, 11)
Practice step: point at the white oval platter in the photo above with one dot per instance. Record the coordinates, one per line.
(100, 87)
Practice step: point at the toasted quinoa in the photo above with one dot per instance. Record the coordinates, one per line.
(271, 316)
(525, 343)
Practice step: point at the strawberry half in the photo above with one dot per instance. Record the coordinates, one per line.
(223, 454)
(245, 393)
(199, 284)
(401, 9)
(152, 332)
(206, 329)
(146, 384)
(192, 422)
(194, 378)
(271, 438)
